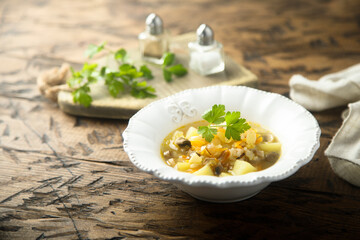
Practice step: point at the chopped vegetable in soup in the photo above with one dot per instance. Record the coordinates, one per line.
(187, 150)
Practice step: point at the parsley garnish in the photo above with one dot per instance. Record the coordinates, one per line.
(168, 70)
(217, 117)
(94, 49)
(146, 72)
(127, 78)
(120, 55)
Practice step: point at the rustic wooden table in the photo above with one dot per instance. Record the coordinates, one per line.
(66, 177)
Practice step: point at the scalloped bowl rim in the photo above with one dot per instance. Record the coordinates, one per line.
(168, 173)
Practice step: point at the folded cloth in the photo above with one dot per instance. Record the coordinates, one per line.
(330, 91)
(344, 150)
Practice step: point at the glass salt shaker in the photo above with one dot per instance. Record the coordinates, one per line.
(206, 54)
(154, 40)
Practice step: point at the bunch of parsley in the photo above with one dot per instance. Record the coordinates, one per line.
(217, 117)
(127, 78)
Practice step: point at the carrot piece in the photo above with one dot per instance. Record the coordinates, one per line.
(237, 144)
(259, 140)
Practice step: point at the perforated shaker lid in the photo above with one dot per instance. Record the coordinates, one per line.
(205, 35)
(154, 24)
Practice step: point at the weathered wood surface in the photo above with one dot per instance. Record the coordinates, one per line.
(63, 177)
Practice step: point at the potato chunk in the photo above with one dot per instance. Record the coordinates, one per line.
(182, 166)
(191, 132)
(195, 159)
(221, 136)
(242, 167)
(176, 135)
(270, 147)
(205, 170)
(223, 174)
(251, 137)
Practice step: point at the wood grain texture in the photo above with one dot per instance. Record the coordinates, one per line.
(63, 177)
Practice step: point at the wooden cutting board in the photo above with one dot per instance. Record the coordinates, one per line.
(124, 106)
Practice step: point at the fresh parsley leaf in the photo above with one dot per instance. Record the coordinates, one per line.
(83, 76)
(88, 69)
(117, 81)
(146, 72)
(125, 67)
(207, 132)
(168, 70)
(178, 70)
(120, 54)
(94, 49)
(235, 125)
(142, 90)
(215, 115)
(114, 86)
(103, 71)
(232, 117)
(234, 130)
(129, 71)
(168, 59)
(92, 79)
(232, 133)
(79, 82)
(135, 73)
(167, 75)
(74, 81)
(81, 96)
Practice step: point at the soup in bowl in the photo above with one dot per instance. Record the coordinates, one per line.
(166, 139)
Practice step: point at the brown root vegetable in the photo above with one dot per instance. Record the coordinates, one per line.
(53, 81)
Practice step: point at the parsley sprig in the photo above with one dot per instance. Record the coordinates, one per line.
(127, 78)
(169, 69)
(80, 81)
(217, 117)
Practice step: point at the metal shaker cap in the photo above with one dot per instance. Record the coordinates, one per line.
(205, 35)
(154, 24)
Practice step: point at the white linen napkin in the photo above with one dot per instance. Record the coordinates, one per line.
(330, 91)
(344, 150)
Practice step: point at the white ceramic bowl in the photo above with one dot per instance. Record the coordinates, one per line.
(296, 128)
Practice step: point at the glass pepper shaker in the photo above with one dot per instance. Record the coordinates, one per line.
(206, 54)
(154, 40)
